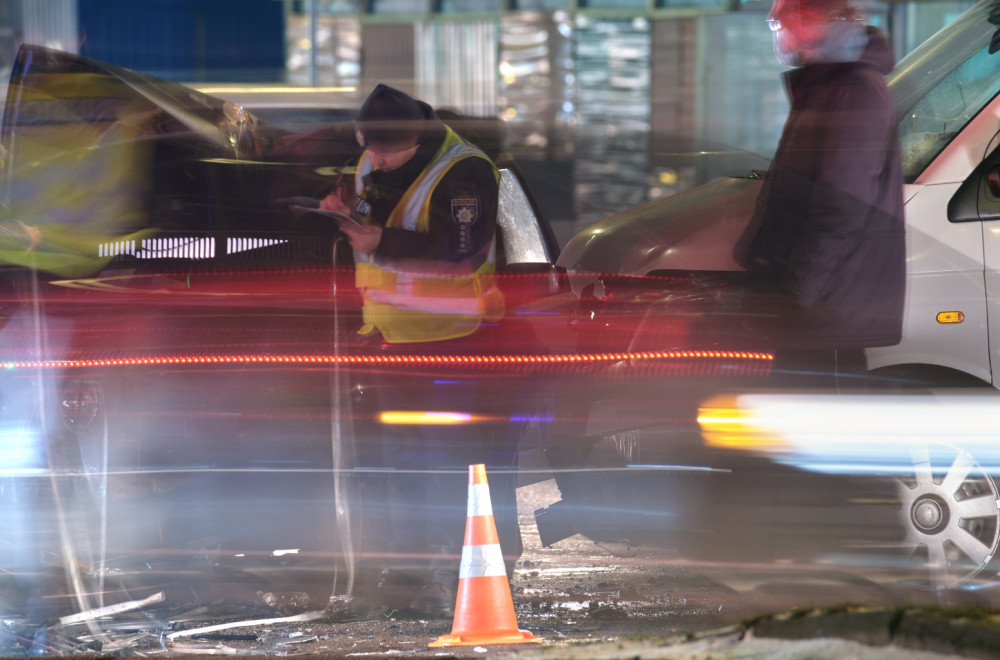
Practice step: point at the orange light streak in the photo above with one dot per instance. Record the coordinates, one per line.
(426, 418)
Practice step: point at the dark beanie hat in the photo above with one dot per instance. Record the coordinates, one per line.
(390, 118)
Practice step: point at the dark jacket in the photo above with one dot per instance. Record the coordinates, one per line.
(829, 221)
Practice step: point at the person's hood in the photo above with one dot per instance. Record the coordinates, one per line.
(878, 51)
(877, 54)
(847, 41)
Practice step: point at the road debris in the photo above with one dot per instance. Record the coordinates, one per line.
(110, 610)
(294, 602)
(298, 618)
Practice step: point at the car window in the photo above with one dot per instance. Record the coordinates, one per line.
(942, 113)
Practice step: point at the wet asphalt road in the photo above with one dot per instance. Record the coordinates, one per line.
(580, 600)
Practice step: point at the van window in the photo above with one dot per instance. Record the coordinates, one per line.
(944, 111)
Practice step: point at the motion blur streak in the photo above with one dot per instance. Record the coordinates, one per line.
(385, 359)
(854, 433)
(222, 90)
(21, 453)
(725, 424)
(430, 418)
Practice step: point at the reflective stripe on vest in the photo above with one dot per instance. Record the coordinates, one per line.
(434, 304)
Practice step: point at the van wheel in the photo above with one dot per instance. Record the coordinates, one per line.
(950, 514)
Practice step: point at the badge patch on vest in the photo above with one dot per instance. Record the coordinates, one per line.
(465, 210)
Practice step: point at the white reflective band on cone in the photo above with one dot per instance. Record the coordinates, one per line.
(482, 561)
(479, 500)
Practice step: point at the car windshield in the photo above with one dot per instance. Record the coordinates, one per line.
(942, 85)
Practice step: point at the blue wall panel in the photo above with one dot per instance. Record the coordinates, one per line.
(190, 40)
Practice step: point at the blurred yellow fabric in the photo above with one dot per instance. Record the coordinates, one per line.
(81, 158)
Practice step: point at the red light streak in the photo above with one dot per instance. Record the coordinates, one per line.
(269, 271)
(364, 360)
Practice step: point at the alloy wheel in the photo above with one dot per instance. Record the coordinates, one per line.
(950, 514)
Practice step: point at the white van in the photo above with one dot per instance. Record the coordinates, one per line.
(949, 120)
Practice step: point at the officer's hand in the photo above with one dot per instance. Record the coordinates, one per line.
(335, 202)
(364, 238)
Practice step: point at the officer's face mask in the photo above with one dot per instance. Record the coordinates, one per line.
(389, 145)
(392, 158)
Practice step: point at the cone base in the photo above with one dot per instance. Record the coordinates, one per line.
(518, 637)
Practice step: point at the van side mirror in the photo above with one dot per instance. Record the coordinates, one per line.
(978, 198)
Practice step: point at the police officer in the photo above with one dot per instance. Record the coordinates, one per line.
(426, 202)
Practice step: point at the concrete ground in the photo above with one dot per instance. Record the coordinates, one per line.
(835, 634)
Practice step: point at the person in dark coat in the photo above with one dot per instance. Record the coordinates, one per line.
(829, 228)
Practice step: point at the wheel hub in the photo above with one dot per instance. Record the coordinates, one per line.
(81, 403)
(929, 514)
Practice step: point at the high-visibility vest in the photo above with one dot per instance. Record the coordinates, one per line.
(416, 300)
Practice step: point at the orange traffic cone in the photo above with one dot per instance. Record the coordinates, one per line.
(484, 609)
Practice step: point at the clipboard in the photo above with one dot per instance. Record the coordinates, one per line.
(341, 219)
